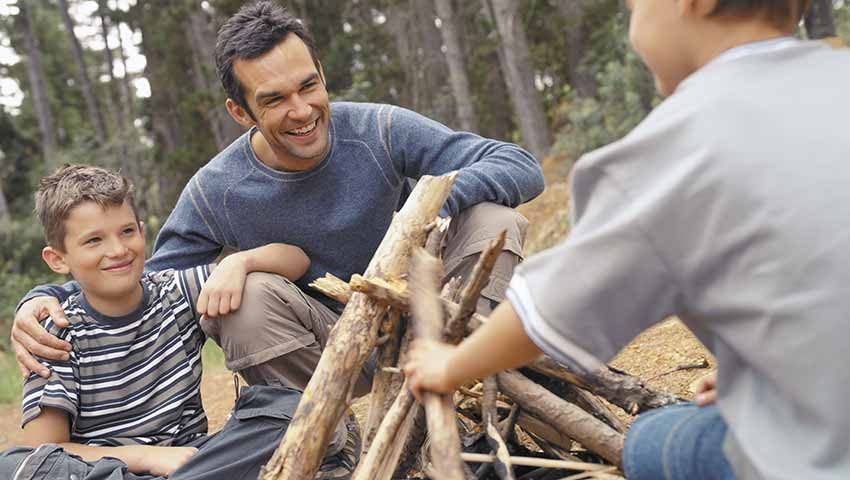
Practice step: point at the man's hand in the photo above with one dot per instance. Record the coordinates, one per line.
(163, 461)
(706, 393)
(30, 338)
(222, 292)
(427, 367)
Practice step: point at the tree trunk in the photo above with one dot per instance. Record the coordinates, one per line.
(114, 105)
(418, 44)
(35, 71)
(95, 117)
(126, 92)
(4, 212)
(202, 39)
(519, 76)
(353, 338)
(163, 98)
(818, 20)
(578, 40)
(457, 66)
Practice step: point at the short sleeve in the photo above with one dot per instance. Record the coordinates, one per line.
(584, 299)
(60, 390)
(191, 282)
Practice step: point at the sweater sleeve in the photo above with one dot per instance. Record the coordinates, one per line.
(191, 235)
(60, 292)
(489, 170)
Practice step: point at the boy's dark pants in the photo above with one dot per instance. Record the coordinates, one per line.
(238, 451)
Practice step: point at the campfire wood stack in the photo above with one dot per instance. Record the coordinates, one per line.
(375, 315)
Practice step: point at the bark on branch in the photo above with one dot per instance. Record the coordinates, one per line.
(353, 338)
(428, 317)
(566, 418)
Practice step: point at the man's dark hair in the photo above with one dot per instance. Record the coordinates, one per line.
(250, 33)
(784, 14)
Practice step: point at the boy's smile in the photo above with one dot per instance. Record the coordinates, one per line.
(104, 251)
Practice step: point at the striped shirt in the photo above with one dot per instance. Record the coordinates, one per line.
(133, 379)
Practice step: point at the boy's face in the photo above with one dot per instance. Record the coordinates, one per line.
(657, 34)
(104, 251)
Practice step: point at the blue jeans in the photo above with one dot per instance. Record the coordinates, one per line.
(679, 442)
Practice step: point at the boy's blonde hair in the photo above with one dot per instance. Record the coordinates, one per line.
(71, 185)
(785, 14)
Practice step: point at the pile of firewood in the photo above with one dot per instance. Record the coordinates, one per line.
(544, 422)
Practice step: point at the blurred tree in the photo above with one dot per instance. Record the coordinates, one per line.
(82, 74)
(520, 77)
(457, 65)
(818, 20)
(35, 70)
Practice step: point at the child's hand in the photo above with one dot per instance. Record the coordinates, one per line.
(163, 461)
(706, 393)
(427, 367)
(222, 292)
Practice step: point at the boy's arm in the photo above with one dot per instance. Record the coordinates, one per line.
(499, 344)
(222, 292)
(52, 425)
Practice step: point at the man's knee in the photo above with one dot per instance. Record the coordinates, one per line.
(273, 319)
(484, 221)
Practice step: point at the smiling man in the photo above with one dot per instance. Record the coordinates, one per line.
(326, 177)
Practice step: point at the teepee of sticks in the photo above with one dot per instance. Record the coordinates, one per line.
(546, 405)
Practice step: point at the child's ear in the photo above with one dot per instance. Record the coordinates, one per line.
(142, 228)
(55, 260)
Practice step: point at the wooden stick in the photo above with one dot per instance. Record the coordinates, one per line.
(352, 339)
(456, 327)
(385, 384)
(334, 287)
(565, 417)
(428, 316)
(623, 390)
(537, 462)
(375, 458)
(503, 466)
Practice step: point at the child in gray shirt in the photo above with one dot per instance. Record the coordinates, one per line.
(728, 206)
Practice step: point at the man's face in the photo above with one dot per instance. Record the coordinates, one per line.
(104, 251)
(287, 96)
(658, 34)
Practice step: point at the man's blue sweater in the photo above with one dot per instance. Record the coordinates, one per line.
(339, 211)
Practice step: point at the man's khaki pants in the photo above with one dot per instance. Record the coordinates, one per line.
(277, 335)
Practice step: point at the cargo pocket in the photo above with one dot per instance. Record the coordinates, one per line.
(266, 402)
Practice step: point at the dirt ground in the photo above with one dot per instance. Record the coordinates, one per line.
(654, 356)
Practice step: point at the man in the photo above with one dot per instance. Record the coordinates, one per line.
(326, 179)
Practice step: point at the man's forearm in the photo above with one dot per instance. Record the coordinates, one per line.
(499, 344)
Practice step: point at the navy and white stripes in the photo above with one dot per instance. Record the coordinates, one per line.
(134, 379)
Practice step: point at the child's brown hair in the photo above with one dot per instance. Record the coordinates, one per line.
(71, 185)
(785, 14)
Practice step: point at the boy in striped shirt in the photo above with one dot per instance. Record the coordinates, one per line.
(127, 403)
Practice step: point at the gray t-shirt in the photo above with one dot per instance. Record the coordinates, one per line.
(729, 206)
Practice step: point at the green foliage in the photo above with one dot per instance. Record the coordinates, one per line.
(10, 379)
(625, 94)
(212, 358)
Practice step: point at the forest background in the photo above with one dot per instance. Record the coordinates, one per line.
(131, 84)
